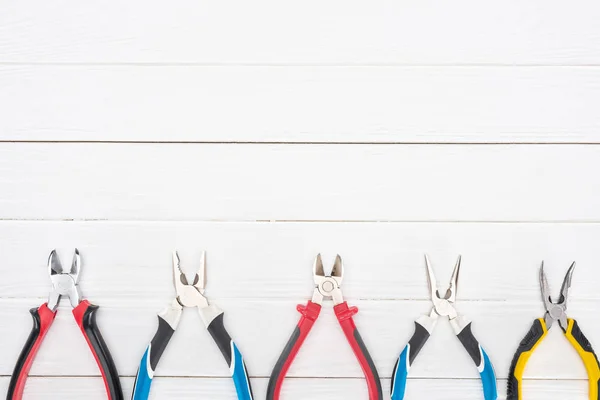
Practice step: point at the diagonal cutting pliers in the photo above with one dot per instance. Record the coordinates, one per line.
(191, 295)
(424, 327)
(326, 286)
(555, 312)
(64, 284)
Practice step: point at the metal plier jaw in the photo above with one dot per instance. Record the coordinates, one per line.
(556, 311)
(65, 284)
(443, 306)
(326, 287)
(538, 331)
(191, 295)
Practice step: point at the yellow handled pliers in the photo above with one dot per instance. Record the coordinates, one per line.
(554, 312)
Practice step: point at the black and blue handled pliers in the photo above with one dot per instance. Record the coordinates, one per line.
(191, 295)
(424, 326)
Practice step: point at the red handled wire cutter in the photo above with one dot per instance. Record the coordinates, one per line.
(65, 284)
(326, 286)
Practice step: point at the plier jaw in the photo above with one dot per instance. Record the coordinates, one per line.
(64, 283)
(556, 311)
(443, 306)
(328, 286)
(190, 295)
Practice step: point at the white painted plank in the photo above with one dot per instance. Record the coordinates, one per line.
(131, 260)
(313, 32)
(261, 329)
(308, 182)
(49, 388)
(44, 388)
(299, 104)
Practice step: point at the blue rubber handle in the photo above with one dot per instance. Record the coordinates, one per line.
(240, 375)
(400, 374)
(143, 380)
(488, 378)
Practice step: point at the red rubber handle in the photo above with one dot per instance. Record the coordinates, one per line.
(85, 316)
(344, 315)
(42, 320)
(310, 313)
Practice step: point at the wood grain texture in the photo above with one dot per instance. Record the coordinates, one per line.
(313, 32)
(300, 104)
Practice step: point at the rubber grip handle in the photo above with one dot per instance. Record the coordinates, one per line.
(310, 313)
(85, 316)
(232, 356)
(156, 348)
(534, 337)
(406, 359)
(344, 315)
(42, 320)
(482, 361)
(588, 356)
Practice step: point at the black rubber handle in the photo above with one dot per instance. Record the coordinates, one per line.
(535, 335)
(87, 323)
(406, 359)
(233, 357)
(159, 342)
(42, 320)
(217, 330)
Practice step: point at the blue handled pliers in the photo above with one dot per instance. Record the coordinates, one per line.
(191, 295)
(424, 326)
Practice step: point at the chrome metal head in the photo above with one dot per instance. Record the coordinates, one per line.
(63, 283)
(190, 295)
(556, 311)
(443, 305)
(328, 286)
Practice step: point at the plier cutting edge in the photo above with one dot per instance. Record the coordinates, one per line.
(65, 284)
(326, 286)
(554, 312)
(191, 295)
(424, 327)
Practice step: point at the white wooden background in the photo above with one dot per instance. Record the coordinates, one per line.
(264, 132)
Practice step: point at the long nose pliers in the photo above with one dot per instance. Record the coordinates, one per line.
(424, 327)
(326, 286)
(64, 284)
(191, 295)
(555, 312)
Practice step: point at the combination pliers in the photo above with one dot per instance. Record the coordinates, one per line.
(424, 327)
(326, 286)
(65, 284)
(554, 312)
(191, 295)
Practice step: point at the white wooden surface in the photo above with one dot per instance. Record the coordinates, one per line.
(267, 131)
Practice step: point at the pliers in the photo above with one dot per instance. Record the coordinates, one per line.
(554, 312)
(64, 284)
(191, 295)
(326, 286)
(424, 327)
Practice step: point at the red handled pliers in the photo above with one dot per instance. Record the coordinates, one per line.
(326, 286)
(65, 284)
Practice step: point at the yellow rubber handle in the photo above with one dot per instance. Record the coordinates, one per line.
(584, 348)
(528, 345)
